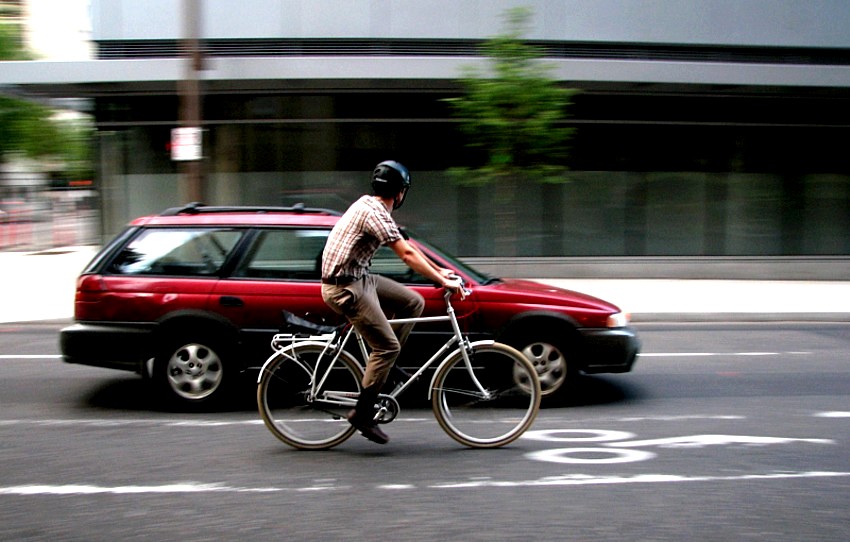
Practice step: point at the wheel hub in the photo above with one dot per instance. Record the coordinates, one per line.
(194, 372)
(550, 364)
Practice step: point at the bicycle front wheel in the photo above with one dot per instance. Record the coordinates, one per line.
(490, 402)
(300, 414)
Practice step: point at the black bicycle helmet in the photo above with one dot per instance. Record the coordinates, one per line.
(390, 179)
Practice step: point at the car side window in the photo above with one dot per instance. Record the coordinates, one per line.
(181, 252)
(292, 254)
(387, 263)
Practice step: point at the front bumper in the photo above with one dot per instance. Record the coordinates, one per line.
(120, 346)
(609, 350)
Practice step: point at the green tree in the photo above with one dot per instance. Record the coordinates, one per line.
(37, 131)
(513, 117)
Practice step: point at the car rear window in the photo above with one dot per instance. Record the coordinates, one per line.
(176, 251)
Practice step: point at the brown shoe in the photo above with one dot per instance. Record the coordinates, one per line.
(367, 428)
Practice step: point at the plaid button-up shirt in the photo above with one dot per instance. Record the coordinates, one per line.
(360, 232)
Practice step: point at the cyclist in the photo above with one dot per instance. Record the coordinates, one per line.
(349, 289)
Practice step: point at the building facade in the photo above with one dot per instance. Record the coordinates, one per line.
(708, 132)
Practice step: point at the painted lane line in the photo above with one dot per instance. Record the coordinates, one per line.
(833, 414)
(583, 480)
(474, 483)
(679, 418)
(30, 356)
(533, 434)
(79, 489)
(700, 441)
(717, 354)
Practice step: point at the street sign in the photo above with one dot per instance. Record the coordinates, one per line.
(186, 144)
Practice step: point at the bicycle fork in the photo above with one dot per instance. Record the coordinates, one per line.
(465, 351)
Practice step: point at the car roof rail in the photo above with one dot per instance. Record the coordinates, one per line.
(197, 207)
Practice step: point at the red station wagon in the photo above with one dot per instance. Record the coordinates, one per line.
(192, 297)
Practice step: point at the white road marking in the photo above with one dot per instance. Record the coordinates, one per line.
(547, 481)
(589, 456)
(833, 414)
(30, 356)
(557, 435)
(584, 479)
(79, 489)
(715, 354)
(532, 434)
(700, 441)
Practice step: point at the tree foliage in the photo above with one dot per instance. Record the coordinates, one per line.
(513, 117)
(35, 130)
(513, 113)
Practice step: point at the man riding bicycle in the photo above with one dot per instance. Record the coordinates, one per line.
(349, 289)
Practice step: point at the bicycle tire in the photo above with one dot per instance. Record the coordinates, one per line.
(479, 421)
(282, 398)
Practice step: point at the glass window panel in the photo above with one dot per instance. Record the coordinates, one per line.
(185, 252)
(291, 254)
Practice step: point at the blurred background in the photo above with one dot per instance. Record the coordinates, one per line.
(708, 138)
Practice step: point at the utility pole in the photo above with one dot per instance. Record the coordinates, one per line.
(187, 139)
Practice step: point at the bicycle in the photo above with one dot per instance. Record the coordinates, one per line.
(484, 394)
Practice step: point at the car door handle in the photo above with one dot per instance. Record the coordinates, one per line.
(231, 301)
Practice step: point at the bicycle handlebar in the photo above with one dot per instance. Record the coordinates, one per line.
(461, 289)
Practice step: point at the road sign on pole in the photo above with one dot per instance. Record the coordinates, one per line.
(186, 144)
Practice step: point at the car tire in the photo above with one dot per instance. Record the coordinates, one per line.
(191, 371)
(548, 358)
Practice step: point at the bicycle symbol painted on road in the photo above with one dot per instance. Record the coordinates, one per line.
(615, 446)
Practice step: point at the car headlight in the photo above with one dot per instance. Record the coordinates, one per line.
(619, 319)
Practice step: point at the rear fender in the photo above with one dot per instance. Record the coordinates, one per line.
(283, 352)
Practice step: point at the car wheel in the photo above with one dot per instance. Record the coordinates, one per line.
(191, 371)
(550, 363)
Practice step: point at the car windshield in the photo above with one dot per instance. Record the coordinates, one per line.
(453, 263)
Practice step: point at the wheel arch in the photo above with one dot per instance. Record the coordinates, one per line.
(195, 321)
(552, 342)
(550, 324)
(220, 338)
(198, 322)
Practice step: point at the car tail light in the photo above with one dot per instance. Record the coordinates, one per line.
(90, 292)
(619, 319)
(90, 283)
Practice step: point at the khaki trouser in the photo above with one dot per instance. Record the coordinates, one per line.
(365, 303)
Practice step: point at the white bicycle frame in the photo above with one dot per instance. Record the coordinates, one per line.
(284, 343)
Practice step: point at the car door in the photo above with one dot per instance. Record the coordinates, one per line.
(280, 270)
(163, 270)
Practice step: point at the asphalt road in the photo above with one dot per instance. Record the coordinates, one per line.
(722, 432)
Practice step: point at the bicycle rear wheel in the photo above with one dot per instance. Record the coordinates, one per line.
(501, 413)
(285, 403)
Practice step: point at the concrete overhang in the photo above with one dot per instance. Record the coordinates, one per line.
(94, 78)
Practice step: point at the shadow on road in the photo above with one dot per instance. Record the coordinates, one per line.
(137, 394)
(588, 390)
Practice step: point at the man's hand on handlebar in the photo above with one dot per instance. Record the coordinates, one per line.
(454, 283)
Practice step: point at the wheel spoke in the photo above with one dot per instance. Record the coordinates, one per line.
(503, 414)
(283, 398)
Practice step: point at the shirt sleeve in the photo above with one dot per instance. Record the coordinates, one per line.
(382, 226)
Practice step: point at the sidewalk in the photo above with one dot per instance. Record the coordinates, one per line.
(40, 286)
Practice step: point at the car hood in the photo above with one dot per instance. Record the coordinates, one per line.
(530, 295)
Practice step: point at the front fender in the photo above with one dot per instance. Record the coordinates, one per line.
(449, 358)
